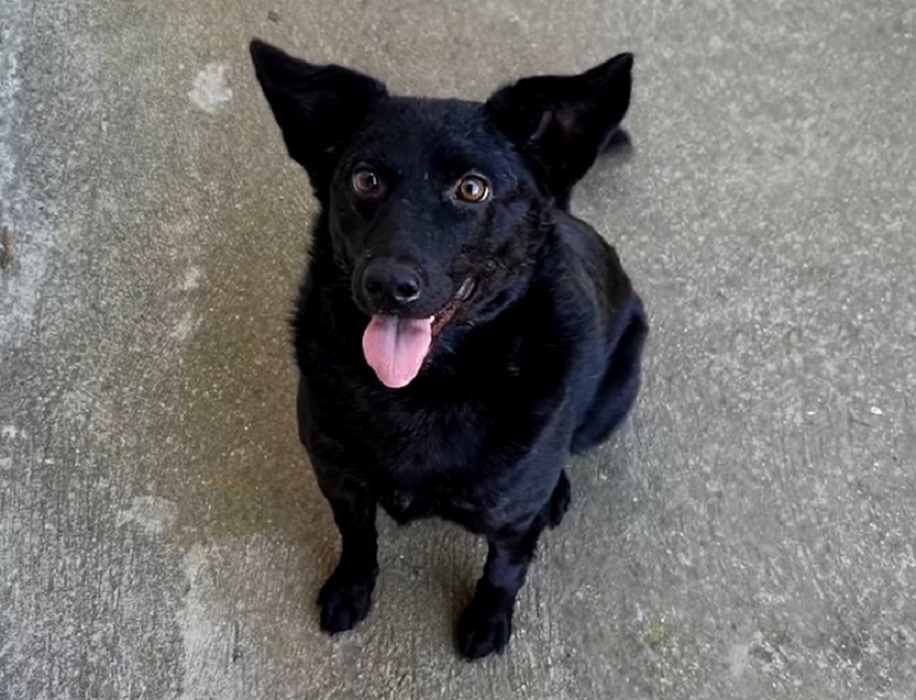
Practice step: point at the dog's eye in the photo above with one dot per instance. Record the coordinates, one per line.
(473, 189)
(366, 182)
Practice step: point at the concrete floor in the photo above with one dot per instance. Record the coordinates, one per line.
(750, 534)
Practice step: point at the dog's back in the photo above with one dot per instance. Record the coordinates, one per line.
(607, 383)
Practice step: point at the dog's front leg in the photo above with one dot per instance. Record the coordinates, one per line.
(346, 596)
(486, 623)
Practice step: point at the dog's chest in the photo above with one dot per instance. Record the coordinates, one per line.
(435, 470)
(405, 506)
(466, 507)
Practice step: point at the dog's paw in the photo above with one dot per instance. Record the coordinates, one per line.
(344, 603)
(560, 501)
(484, 628)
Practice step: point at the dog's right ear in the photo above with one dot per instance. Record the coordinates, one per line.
(317, 107)
(562, 123)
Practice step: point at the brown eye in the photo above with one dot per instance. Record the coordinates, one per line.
(473, 189)
(366, 182)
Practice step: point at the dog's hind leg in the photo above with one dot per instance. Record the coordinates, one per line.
(560, 500)
(618, 390)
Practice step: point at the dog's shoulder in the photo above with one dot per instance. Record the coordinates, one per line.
(324, 320)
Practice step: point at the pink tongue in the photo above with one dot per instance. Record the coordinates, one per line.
(395, 348)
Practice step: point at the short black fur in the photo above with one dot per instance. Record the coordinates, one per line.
(537, 331)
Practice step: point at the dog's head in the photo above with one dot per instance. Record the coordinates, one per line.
(436, 208)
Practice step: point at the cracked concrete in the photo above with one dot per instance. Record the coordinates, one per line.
(750, 534)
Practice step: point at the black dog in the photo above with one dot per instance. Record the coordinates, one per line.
(458, 333)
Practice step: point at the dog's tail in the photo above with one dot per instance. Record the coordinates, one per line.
(617, 146)
(618, 142)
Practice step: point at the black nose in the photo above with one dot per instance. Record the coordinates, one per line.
(388, 283)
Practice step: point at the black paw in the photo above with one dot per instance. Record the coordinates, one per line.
(559, 501)
(344, 603)
(485, 626)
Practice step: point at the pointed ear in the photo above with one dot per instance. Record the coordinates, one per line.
(317, 107)
(562, 123)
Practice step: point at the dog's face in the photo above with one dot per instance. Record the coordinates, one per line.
(430, 194)
(437, 208)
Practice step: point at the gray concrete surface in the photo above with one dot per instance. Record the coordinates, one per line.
(750, 534)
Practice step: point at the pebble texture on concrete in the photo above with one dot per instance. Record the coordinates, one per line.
(751, 533)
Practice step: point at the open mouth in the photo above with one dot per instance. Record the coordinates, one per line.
(445, 314)
(396, 347)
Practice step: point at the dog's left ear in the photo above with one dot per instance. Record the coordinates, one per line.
(317, 107)
(562, 123)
